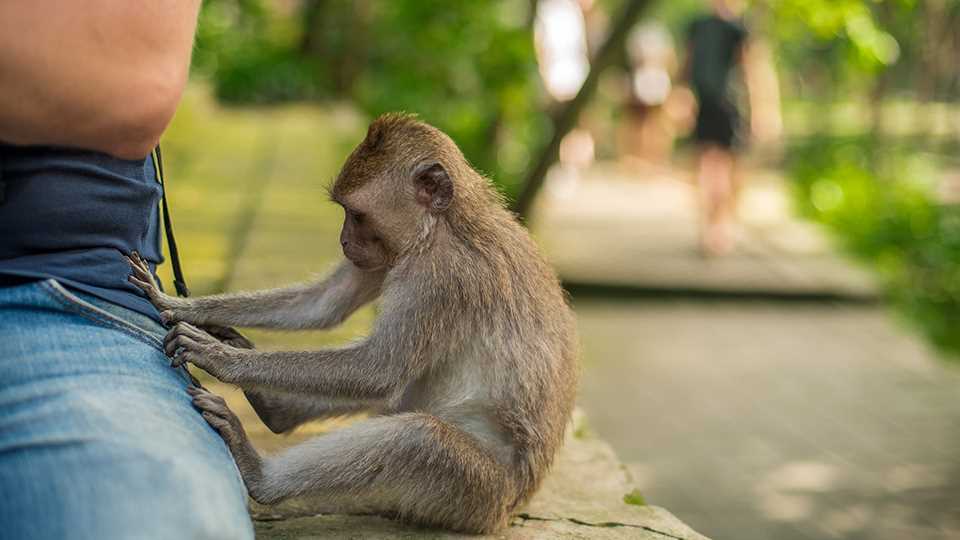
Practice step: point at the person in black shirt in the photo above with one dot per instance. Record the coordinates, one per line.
(716, 45)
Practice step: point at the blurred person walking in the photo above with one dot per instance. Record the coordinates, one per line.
(718, 44)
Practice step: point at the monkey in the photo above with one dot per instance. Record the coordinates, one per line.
(470, 368)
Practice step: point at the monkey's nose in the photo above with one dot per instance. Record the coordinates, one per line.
(343, 243)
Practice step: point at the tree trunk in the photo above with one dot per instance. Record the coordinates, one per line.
(566, 118)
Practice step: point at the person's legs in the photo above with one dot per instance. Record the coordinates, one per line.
(716, 131)
(98, 438)
(718, 201)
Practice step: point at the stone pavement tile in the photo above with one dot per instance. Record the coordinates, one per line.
(756, 421)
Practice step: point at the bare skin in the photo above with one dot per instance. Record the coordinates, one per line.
(99, 75)
(718, 191)
(470, 366)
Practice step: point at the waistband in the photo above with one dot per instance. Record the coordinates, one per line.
(50, 293)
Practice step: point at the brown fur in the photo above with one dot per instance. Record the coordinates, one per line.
(472, 362)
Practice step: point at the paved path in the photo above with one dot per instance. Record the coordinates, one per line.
(765, 421)
(753, 419)
(613, 229)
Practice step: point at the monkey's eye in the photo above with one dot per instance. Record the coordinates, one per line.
(357, 217)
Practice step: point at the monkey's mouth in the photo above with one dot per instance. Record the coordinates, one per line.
(359, 261)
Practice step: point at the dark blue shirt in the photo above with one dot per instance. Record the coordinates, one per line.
(72, 215)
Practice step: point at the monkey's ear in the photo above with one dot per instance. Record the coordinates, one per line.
(434, 187)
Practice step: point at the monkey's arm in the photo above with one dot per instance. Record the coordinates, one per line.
(369, 370)
(317, 304)
(349, 373)
(283, 411)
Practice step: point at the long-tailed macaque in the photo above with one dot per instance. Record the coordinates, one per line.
(470, 366)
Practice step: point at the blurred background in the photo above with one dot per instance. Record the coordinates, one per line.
(780, 362)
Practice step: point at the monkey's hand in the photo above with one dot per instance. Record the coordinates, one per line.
(187, 343)
(143, 278)
(214, 410)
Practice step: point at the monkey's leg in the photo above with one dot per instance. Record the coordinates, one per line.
(413, 465)
(214, 410)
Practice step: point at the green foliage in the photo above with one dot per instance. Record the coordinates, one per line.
(248, 50)
(851, 21)
(881, 201)
(467, 67)
(826, 47)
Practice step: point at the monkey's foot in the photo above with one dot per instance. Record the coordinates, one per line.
(214, 410)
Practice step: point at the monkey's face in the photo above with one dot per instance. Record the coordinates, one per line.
(390, 213)
(391, 188)
(362, 238)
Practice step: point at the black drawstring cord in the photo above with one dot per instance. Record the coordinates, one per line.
(178, 282)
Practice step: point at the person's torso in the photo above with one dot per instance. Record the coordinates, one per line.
(72, 214)
(715, 44)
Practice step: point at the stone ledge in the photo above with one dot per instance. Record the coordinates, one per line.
(582, 498)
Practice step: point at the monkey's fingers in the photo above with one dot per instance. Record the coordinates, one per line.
(191, 331)
(178, 345)
(138, 265)
(222, 425)
(215, 410)
(149, 285)
(182, 357)
(182, 349)
(207, 400)
(142, 285)
(135, 255)
(141, 277)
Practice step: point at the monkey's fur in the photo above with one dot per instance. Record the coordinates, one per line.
(471, 363)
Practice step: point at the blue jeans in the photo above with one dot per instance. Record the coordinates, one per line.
(98, 438)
